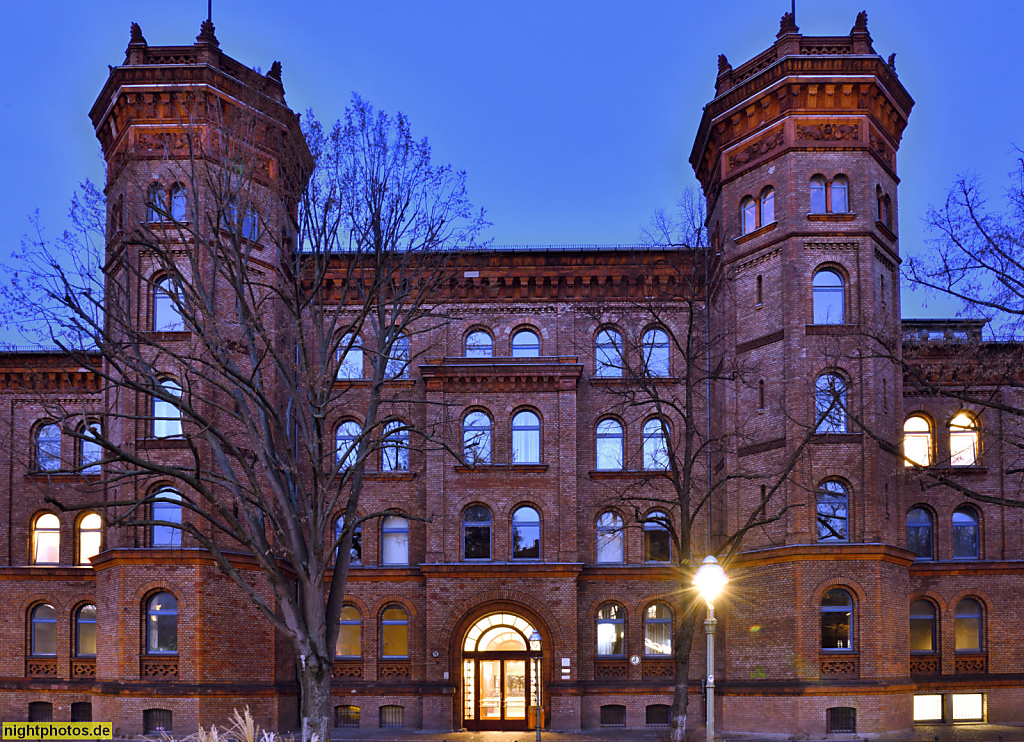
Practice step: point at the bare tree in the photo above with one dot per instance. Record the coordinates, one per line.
(287, 288)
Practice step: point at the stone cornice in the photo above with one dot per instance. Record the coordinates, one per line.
(825, 553)
(546, 373)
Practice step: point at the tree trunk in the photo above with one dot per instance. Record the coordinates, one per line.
(315, 690)
(681, 654)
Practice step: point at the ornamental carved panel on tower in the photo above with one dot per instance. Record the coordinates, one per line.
(828, 132)
(756, 150)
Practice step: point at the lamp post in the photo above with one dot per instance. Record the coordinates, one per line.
(535, 640)
(710, 580)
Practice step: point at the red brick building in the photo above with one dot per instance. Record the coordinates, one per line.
(871, 602)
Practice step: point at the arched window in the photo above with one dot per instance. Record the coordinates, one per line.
(395, 540)
(167, 509)
(609, 446)
(917, 441)
(157, 721)
(611, 633)
(655, 347)
(166, 414)
(968, 625)
(46, 539)
(479, 345)
(395, 447)
(179, 203)
(350, 633)
(90, 537)
(748, 215)
(656, 445)
(829, 298)
(48, 448)
(166, 315)
(251, 223)
(356, 551)
(963, 440)
(476, 533)
(398, 361)
(350, 357)
(658, 630)
(657, 541)
(817, 195)
(162, 624)
(610, 539)
(90, 452)
(525, 533)
(830, 404)
(44, 631)
(767, 206)
(922, 626)
(525, 344)
(919, 532)
(840, 195)
(525, 438)
(608, 354)
(85, 631)
(394, 632)
(837, 620)
(965, 533)
(156, 203)
(346, 444)
(476, 438)
(833, 511)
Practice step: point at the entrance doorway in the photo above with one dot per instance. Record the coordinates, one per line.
(499, 674)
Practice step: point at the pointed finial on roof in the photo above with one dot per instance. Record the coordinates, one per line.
(862, 22)
(787, 24)
(723, 64)
(275, 71)
(137, 37)
(892, 62)
(206, 34)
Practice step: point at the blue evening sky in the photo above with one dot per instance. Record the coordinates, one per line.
(573, 119)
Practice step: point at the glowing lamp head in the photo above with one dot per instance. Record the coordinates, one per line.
(535, 640)
(710, 579)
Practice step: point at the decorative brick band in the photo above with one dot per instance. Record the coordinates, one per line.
(832, 665)
(158, 667)
(83, 668)
(40, 668)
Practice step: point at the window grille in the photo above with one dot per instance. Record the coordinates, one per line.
(842, 719)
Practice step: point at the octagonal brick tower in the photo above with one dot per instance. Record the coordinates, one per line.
(784, 134)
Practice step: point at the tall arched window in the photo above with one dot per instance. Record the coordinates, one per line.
(965, 533)
(833, 511)
(657, 540)
(90, 537)
(90, 452)
(350, 633)
(840, 195)
(156, 203)
(817, 195)
(166, 414)
(968, 625)
(525, 533)
(162, 624)
(43, 621)
(611, 633)
(658, 630)
(917, 441)
(166, 315)
(748, 215)
(85, 631)
(395, 540)
(179, 203)
(350, 357)
(525, 438)
(46, 539)
(609, 446)
(525, 344)
(829, 298)
(48, 448)
(166, 508)
(922, 626)
(394, 633)
(919, 532)
(479, 345)
(394, 454)
(767, 206)
(476, 533)
(656, 445)
(346, 444)
(963, 440)
(655, 347)
(837, 620)
(608, 354)
(398, 361)
(610, 539)
(476, 438)
(830, 403)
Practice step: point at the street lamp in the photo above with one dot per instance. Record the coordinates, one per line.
(710, 581)
(535, 640)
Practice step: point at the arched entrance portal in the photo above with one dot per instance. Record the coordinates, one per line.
(499, 674)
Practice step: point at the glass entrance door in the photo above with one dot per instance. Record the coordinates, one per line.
(498, 683)
(515, 690)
